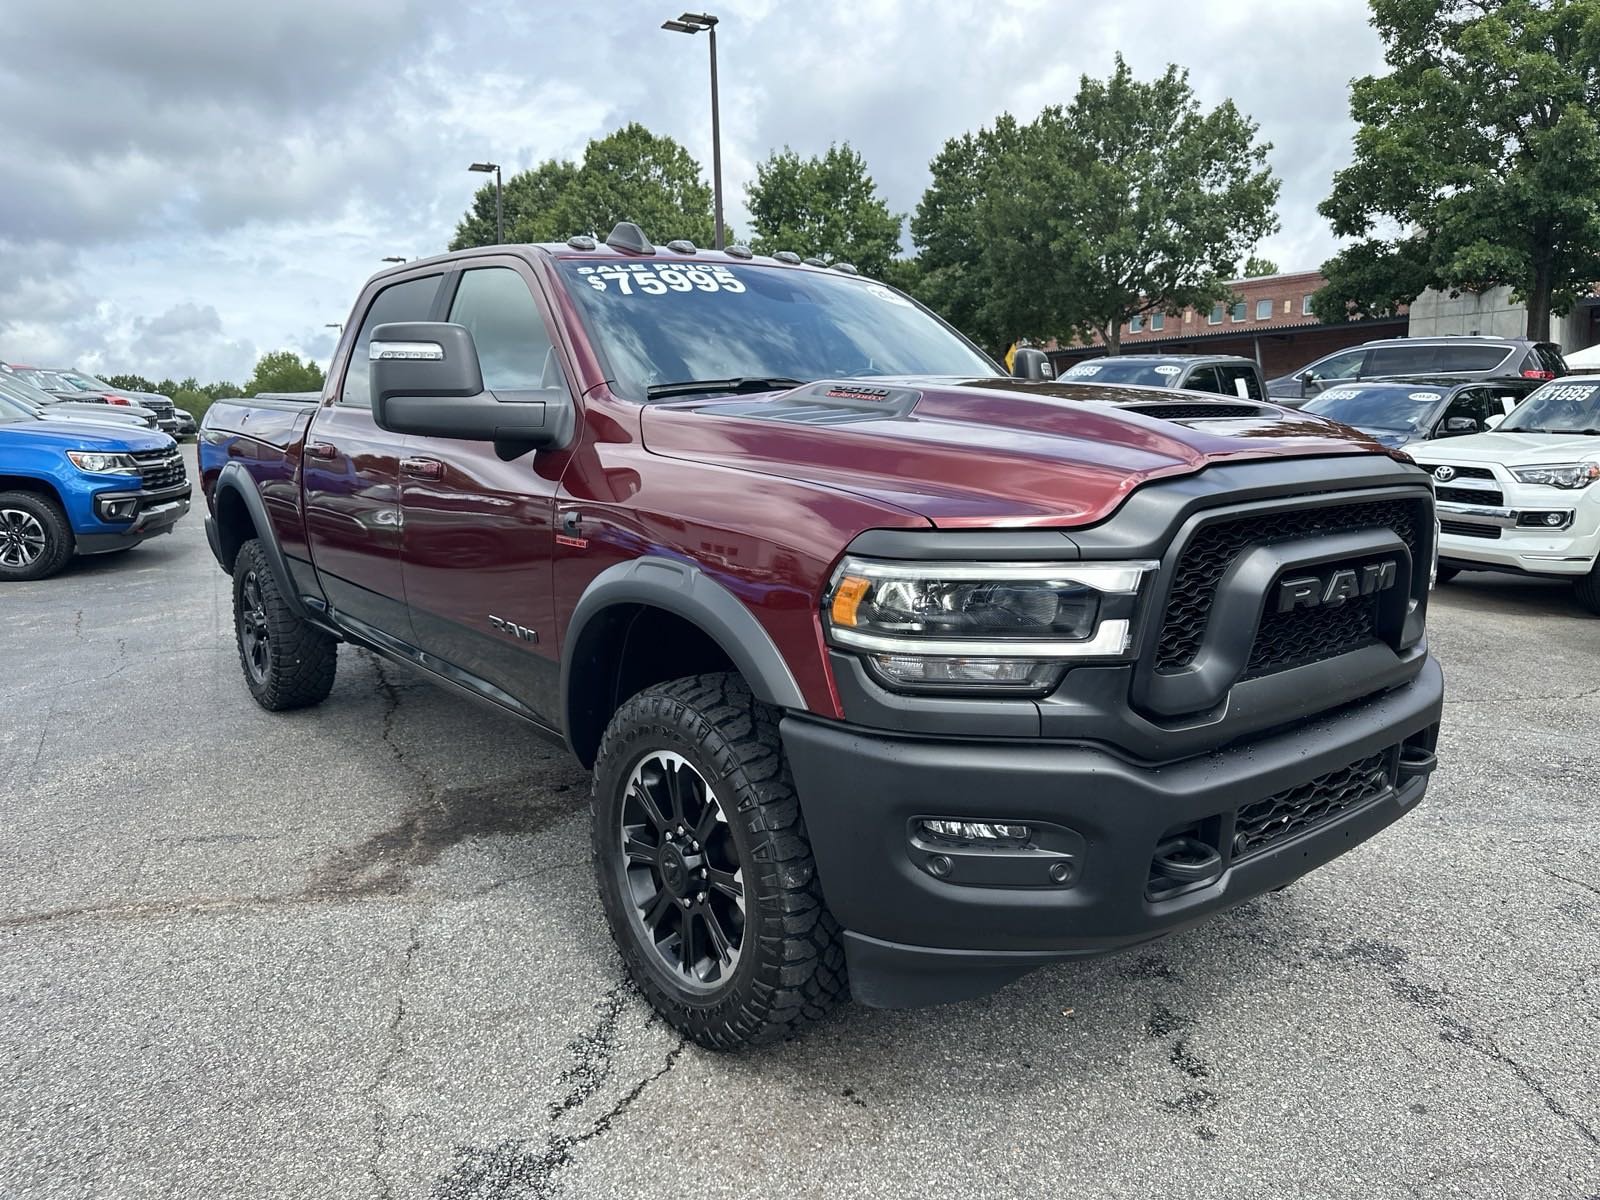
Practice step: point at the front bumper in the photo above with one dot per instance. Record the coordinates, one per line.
(1493, 538)
(125, 518)
(913, 938)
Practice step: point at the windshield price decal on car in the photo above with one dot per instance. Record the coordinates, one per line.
(1341, 394)
(659, 278)
(1573, 393)
(1084, 369)
(1168, 369)
(1423, 397)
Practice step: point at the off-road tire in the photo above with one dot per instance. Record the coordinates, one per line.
(293, 663)
(791, 968)
(1444, 575)
(1587, 589)
(43, 514)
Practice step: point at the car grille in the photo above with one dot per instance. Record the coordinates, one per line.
(1295, 810)
(160, 407)
(1469, 529)
(1470, 472)
(1455, 495)
(160, 468)
(1283, 639)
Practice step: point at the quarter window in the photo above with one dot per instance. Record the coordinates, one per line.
(496, 307)
(408, 301)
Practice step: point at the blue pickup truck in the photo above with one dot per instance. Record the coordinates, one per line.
(81, 487)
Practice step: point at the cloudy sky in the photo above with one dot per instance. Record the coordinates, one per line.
(184, 185)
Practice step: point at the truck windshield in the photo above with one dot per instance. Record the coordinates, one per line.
(1385, 406)
(1140, 371)
(1557, 408)
(661, 322)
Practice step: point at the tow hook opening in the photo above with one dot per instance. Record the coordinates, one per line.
(1186, 859)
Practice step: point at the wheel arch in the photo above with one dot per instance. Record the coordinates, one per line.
(652, 619)
(239, 514)
(35, 484)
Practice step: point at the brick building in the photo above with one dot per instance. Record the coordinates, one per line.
(1270, 321)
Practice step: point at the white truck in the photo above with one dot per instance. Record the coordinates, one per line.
(1522, 497)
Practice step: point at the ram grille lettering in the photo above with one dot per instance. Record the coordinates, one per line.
(1349, 583)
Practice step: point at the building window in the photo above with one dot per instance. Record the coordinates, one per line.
(1263, 310)
(1216, 315)
(1157, 320)
(1238, 311)
(1135, 324)
(1305, 307)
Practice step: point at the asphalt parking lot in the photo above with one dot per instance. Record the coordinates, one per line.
(356, 951)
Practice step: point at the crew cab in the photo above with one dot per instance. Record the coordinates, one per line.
(899, 677)
(1521, 498)
(81, 487)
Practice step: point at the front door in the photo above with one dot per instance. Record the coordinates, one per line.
(479, 534)
(351, 481)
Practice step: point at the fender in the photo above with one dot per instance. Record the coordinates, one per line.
(688, 592)
(235, 478)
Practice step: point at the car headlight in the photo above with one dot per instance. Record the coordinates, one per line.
(1008, 627)
(97, 463)
(1561, 475)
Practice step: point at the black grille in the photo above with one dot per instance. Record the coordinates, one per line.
(1280, 816)
(1212, 550)
(1309, 635)
(1470, 473)
(160, 468)
(160, 407)
(1456, 495)
(1469, 529)
(1174, 410)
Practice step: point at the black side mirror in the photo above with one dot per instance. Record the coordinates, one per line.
(426, 379)
(1028, 363)
(1457, 425)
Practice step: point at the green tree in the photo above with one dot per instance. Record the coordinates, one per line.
(1482, 147)
(134, 383)
(1255, 266)
(284, 371)
(825, 206)
(629, 175)
(1130, 200)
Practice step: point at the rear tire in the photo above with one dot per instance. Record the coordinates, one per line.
(287, 663)
(1587, 588)
(1446, 574)
(722, 926)
(35, 538)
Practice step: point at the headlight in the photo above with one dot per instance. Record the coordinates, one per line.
(103, 464)
(1008, 627)
(1561, 475)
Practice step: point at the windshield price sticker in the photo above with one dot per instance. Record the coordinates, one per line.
(1345, 394)
(1570, 393)
(1423, 397)
(1084, 369)
(659, 278)
(1168, 369)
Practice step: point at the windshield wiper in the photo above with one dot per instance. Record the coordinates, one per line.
(736, 386)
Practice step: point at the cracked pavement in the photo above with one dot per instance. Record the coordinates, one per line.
(356, 952)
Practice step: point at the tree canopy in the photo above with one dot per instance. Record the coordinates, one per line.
(1129, 200)
(284, 371)
(1477, 159)
(629, 175)
(827, 206)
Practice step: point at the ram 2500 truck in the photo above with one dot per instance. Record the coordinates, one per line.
(898, 677)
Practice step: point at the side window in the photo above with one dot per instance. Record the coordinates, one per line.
(1241, 382)
(495, 305)
(1473, 403)
(1204, 379)
(1339, 366)
(408, 301)
(1471, 358)
(1404, 360)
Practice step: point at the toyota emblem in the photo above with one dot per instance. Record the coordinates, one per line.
(1444, 474)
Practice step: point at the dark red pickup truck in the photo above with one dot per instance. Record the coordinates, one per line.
(899, 677)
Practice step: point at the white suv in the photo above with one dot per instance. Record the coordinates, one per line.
(1524, 497)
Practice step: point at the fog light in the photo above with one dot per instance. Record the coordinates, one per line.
(1557, 519)
(974, 831)
(916, 671)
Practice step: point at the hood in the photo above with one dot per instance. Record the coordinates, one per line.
(1511, 449)
(85, 435)
(104, 414)
(989, 451)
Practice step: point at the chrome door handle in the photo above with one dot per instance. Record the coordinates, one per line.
(321, 450)
(422, 468)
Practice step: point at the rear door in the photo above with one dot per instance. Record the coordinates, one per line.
(1241, 380)
(478, 529)
(351, 481)
(1203, 379)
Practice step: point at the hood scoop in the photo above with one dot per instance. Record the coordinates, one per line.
(823, 403)
(1199, 410)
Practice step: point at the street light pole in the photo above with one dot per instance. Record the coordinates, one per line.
(694, 23)
(499, 210)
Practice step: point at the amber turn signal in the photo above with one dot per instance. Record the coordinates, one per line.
(847, 598)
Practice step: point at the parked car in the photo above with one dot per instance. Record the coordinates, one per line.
(54, 384)
(1523, 497)
(1401, 412)
(14, 388)
(1400, 358)
(1226, 374)
(81, 487)
(161, 405)
(187, 426)
(897, 675)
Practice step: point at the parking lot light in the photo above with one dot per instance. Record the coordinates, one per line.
(499, 211)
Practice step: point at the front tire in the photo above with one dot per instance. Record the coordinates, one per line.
(35, 538)
(1444, 575)
(704, 868)
(1587, 589)
(287, 663)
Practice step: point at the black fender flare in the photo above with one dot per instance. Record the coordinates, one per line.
(235, 478)
(688, 592)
